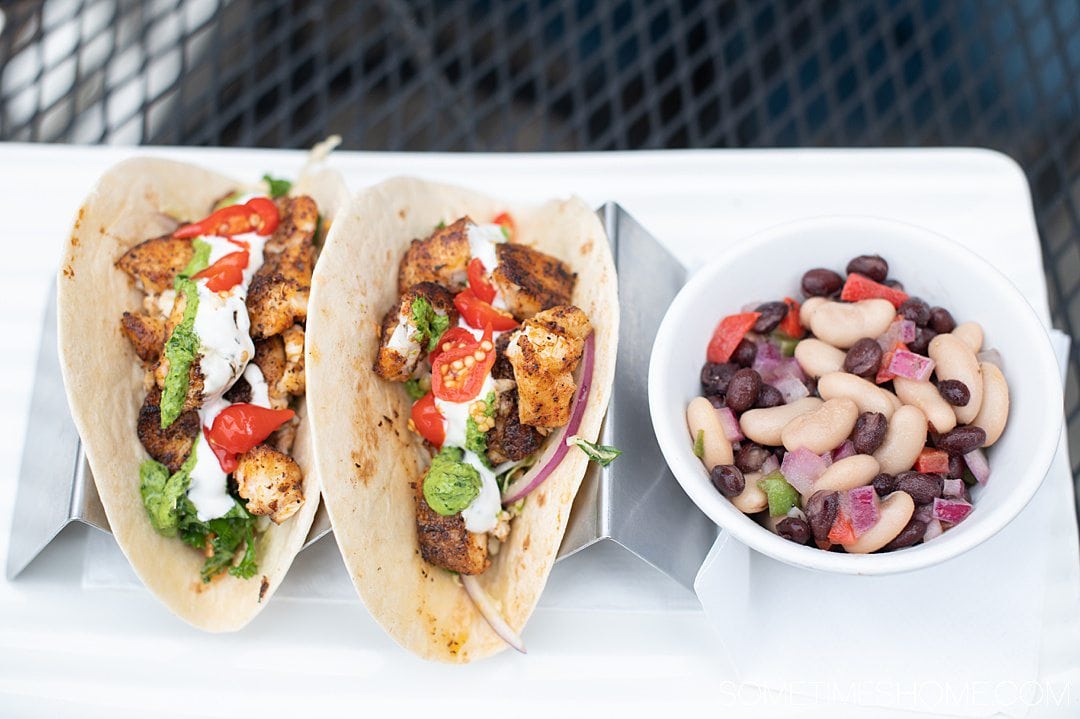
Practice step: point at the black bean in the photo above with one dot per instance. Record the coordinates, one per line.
(911, 534)
(916, 310)
(772, 314)
(794, 529)
(923, 488)
(873, 266)
(715, 376)
(744, 353)
(962, 440)
(869, 432)
(743, 390)
(821, 282)
(956, 467)
(955, 392)
(895, 284)
(769, 396)
(751, 456)
(941, 320)
(727, 479)
(716, 400)
(884, 484)
(821, 509)
(921, 343)
(864, 358)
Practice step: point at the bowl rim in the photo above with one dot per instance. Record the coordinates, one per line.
(677, 454)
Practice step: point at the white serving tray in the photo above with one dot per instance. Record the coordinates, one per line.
(609, 628)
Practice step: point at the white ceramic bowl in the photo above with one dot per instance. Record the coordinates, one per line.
(769, 266)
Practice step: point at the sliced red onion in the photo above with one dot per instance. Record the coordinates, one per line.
(486, 606)
(952, 511)
(954, 488)
(993, 357)
(801, 468)
(790, 388)
(770, 465)
(730, 424)
(933, 530)
(557, 448)
(910, 365)
(845, 450)
(976, 462)
(862, 508)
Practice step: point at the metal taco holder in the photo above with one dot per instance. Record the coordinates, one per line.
(635, 502)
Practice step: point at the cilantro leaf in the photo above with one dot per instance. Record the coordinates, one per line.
(429, 324)
(414, 390)
(602, 454)
(278, 187)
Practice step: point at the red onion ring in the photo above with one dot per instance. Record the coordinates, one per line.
(486, 606)
(557, 447)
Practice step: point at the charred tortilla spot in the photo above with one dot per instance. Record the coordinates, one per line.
(263, 587)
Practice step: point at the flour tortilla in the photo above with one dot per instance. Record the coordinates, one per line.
(132, 202)
(365, 453)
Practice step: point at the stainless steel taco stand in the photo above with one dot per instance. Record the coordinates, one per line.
(635, 502)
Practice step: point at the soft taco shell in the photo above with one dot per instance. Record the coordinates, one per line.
(134, 201)
(366, 455)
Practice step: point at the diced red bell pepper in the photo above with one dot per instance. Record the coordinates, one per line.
(932, 461)
(842, 532)
(728, 334)
(790, 325)
(883, 373)
(860, 287)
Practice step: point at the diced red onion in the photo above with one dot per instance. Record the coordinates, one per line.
(845, 450)
(923, 513)
(862, 509)
(790, 388)
(933, 530)
(486, 606)
(993, 357)
(952, 511)
(557, 448)
(900, 330)
(770, 465)
(730, 424)
(826, 457)
(954, 488)
(767, 358)
(801, 468)
(976, 462)
(910, 365)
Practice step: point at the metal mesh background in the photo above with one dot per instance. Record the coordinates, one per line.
(570, 75)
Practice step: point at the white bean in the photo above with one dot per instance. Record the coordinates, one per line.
(895, 512)
(808, 308)
(842, 324)
(995, 404)
(823, 429)
(920, 393)
(954, 359)
(702, 417)
(971, 333)
(865, 394)
(904, 439)
(765, 425)
(858, 470)
(817, 358)
(752, 499)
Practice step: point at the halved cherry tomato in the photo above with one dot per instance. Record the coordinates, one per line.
(506, 222)
(478, 313)
(728, 334)
(458, 373)
(478, 281)
(240, 427)
(256, 215)
(453, 337)
(226, 273)
(267, 212)
(790, 325)
(427, 420)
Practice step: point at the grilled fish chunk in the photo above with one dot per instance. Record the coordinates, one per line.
(445, 542)
(145, 333)
(292, 379)
(399, 354)
(544, 354)
(299, 217)
(271, 482)
(155, 263)
(278, 295)
(510, 440)
(530, 281)
(172, 445)
(270, 359)
(442, 258)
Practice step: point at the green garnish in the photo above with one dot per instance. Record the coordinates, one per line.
(414, 390)
(782, 496)
(699, 444)
(475, 440)
(180, 351)
(199, 261)
(505, 231)
(602, 454)
(441, 225)
(429, 323)
(161, 493)
(278, 187)
(787, 345)
(451, 485)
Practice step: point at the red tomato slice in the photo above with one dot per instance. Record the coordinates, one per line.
(932, 461)
(226, 273)
(860, 287)
(453, 337)
(427, 420)
(478, 281)
(506, 222)
(478, 313)
(790, 325)
(240, 427)
(728, 334)
(458, 373)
